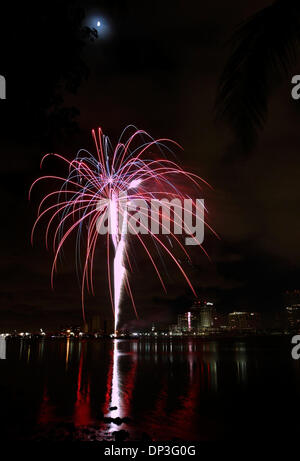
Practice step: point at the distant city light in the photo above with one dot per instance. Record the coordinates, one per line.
(189, 320)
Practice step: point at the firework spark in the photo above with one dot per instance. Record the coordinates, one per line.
(91, 192)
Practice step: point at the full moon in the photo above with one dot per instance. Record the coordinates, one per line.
(98, 21)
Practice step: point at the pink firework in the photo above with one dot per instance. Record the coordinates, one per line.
(92, 192)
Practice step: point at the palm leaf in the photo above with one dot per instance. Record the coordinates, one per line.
(264, 49)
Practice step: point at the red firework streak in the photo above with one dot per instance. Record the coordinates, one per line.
(138, 167)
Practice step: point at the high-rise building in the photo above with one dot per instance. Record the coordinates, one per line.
(204, 312)
(293, 314)
(206, 315)
(292, 297)
(99, 324)
(186, 322)
(199, 318)
(220, 320)
(244, 320)
(96, 324)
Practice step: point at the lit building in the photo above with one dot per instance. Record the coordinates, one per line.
(206, 315)
(203, 312)
(244, 320)
(220, 321)
(293, 314)
(186, 322)
(199, 318)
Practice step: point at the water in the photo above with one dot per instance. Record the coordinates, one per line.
(188, 389)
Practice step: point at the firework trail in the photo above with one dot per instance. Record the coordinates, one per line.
(91, 192)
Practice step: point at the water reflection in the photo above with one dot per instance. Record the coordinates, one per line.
(41, 349)
(115, 400)
(241, 362)
(168, 388)
(122, 374)
(67, 352)
(82, 410)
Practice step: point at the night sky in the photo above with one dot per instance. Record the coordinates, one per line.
(158, 67)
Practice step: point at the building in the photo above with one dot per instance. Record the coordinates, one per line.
(198, 319)
(186, 322)
(207, 315)
(174, 329)
(293, 315)
(220, 321)
(98, 324)
(204, 313)
(244, 320)
(292, 297)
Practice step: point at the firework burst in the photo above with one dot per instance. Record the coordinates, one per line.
(90, 193)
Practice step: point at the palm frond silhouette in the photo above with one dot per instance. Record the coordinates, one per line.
(264, 49)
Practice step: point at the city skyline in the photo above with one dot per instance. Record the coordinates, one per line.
(202, 318)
